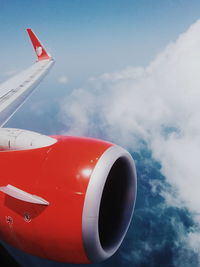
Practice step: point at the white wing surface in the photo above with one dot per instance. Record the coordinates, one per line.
(15, 91)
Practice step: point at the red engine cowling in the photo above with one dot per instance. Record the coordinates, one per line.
(89, 187)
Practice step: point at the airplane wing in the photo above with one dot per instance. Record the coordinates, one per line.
(15, 91)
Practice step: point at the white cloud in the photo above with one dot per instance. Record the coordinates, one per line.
(63, 79)
(159, 104)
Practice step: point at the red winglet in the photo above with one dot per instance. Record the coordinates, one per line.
(38, 47)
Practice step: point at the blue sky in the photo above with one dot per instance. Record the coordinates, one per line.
(89, 37)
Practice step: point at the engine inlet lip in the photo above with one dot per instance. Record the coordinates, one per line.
(90, 218)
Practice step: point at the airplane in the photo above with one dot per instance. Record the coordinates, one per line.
(63, 198)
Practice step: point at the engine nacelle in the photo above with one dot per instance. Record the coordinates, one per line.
(87, 189)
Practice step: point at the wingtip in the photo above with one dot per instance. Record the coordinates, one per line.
(40, 51)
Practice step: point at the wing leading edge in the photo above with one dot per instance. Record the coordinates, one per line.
(15, 91)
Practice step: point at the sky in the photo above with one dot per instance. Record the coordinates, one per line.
(86, 38)
(91, 37)
(128, 72)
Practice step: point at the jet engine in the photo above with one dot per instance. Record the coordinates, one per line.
(68, 199)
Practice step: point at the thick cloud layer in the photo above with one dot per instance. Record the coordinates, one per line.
(158, 105)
